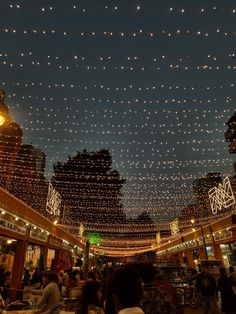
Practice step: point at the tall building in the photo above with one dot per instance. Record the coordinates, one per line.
(230, 134)
(30, 184)
(39, 196)
(201, 187)
(24, 174)
(40, 187)
(10, 144)
(21, 166)
(40, 160)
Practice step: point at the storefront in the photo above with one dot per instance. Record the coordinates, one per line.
(7, 252)
(219, 244)
(32, 257)
(228, 251)
(50, 258)
(29, 240)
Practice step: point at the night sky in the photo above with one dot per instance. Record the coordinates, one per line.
(153, 81)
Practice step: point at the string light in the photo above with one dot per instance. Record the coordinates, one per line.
(179, 33)
(145, 125)
(124, 101)
(130, 86)
(178, 67)
(146, 8)
(206, 56)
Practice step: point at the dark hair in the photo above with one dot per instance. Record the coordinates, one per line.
(89, 296)
(147, 272)
(222, 271)
(50, 276)
(127, 286)
(231, 269)
(91, 275)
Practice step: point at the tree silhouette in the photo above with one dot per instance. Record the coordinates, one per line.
(90, 189)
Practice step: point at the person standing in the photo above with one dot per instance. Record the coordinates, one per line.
(90, 302)
(207, 288)
(6, 284)
(159, 296)
(232, 278)
(125, 291)
(228, 299)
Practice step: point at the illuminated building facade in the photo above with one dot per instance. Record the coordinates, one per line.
(201, 187)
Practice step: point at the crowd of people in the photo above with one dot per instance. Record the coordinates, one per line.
(210, 290)
(132, 289)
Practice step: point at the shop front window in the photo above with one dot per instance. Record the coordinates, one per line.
(229, 254)
(50, 258)
(7, 252)
(32, 257)
(233, 254)
(210, 251)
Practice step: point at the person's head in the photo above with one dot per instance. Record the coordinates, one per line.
(205, 269)
(160, 274)
(49, 277)
(61, 275)
(147, 272)
(222, 271)
(2, 269)
(90, 295)
(231, 269)
(91, 276)
(98, 275)
(126, 288)
(7, 275)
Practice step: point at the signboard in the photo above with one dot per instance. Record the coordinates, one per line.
(65, 245)
(174, 227)
(11, 226)
(223, 235)
(53, 201)
(55, 242)
(192, 243)
(221, 197)
(38, 236)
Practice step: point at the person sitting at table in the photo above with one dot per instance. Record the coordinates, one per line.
(49, 302)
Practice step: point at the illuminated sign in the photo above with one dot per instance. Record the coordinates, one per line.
(158, 238)
(38, 236)
(53, 201)
(11, 226)
(55, 242)
(221, 197)
(174, 227)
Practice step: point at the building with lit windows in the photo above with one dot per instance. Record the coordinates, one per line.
(201, 187)
(230, 134)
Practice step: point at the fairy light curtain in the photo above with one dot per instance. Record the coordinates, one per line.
(154, 83)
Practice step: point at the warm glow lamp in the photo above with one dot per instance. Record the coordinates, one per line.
(4, 119)
(4, 115)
